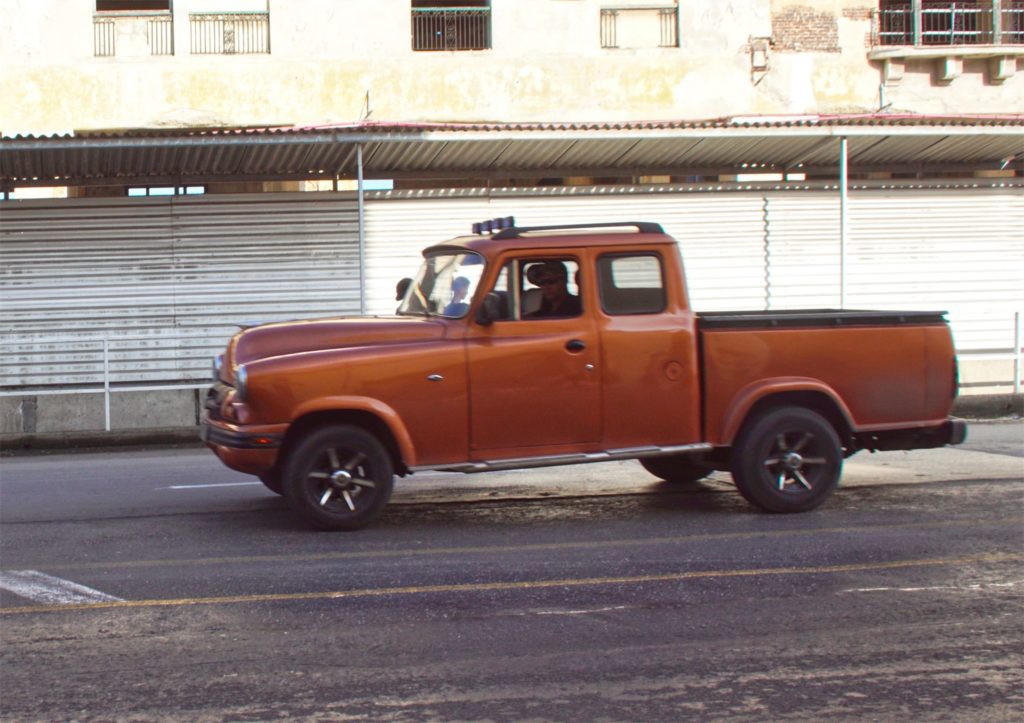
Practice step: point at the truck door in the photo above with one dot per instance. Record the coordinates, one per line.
(533, 377)
(651, 388)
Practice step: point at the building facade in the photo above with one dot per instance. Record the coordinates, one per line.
(86, 65)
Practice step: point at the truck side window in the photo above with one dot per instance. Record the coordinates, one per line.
(631, 284)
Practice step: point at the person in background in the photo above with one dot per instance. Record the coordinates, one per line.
(458, 305)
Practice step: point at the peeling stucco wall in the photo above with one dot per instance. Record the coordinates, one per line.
(545, 64)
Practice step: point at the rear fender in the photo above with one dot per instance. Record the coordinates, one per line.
(786, 390)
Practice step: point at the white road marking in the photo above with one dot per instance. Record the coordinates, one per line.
(581, 612)
(200, 487)
(974, 587)
(42, 588)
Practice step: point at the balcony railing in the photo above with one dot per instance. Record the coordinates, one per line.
(139, 34)
(229, 33)
(639, 27)
(949, 24)
(451, 28)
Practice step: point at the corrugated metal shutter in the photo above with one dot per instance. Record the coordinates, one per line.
(721, 236)
(165, 280)
(960, 250)
(802, 250)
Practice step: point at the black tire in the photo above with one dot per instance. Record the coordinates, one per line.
(787, 460)
(680, 469)
(272, 481)
(338, 478)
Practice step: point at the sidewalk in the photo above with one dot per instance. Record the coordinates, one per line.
(972, 407)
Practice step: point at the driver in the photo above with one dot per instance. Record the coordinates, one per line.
(553, 279)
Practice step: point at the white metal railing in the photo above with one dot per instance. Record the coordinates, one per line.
(104, 34)
(949, 24)
(229, 33)
(983, 327)
(666, 18)
(107, 365)
(156, 30)
(451, 28)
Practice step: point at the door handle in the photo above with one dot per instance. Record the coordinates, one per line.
(575, 345)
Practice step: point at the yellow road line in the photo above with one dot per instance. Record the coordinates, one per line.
(504, 549)
(522, 585)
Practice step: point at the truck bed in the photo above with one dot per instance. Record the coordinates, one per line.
(883, 369)
(813, 317)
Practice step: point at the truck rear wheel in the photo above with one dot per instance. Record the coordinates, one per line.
(678, 469)
(787, 460)
(338, 478)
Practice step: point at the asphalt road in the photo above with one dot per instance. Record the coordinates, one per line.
(157, 585)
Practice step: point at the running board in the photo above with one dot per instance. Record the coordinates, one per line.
(564, 459)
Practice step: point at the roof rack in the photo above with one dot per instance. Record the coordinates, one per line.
(640, 226)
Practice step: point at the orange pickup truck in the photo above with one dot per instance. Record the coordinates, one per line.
(529, 347)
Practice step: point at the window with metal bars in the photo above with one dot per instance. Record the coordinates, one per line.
(145, 27)
(451, 25)
(948, 23)
(635, 26)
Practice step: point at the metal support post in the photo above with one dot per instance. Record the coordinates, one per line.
(917, 20)
(106, 384)
(843, 222)
(1016, 352)
(362, 230)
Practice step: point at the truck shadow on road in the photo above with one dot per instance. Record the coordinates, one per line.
(702, 504)
(658, 502)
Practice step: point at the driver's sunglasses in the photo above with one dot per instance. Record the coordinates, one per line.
(550, 281)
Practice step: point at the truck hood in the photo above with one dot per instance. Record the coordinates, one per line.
(294, 337)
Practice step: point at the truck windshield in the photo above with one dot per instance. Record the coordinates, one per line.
(444, 285)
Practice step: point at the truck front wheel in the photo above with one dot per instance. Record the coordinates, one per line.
(787, 460)
(338, 478)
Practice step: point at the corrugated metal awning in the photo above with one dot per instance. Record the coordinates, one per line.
(877, 142)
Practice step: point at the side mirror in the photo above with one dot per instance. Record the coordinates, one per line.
(489, 310)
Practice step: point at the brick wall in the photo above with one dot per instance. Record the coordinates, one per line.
(802, 30)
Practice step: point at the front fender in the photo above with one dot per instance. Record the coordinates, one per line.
(747, 397)
(369, 405)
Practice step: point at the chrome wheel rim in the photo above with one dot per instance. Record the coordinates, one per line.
(795, 461)
(342, 481)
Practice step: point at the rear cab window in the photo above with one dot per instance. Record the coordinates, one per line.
(631, 284)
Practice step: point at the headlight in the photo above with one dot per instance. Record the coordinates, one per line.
(218, 366)
(241, 380)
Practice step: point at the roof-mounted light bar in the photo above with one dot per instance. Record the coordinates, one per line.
(495, 224)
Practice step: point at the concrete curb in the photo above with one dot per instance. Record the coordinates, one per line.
(989, 406)
(11, 444)
(977, 407)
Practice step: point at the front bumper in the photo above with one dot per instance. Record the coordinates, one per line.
(252, 449)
